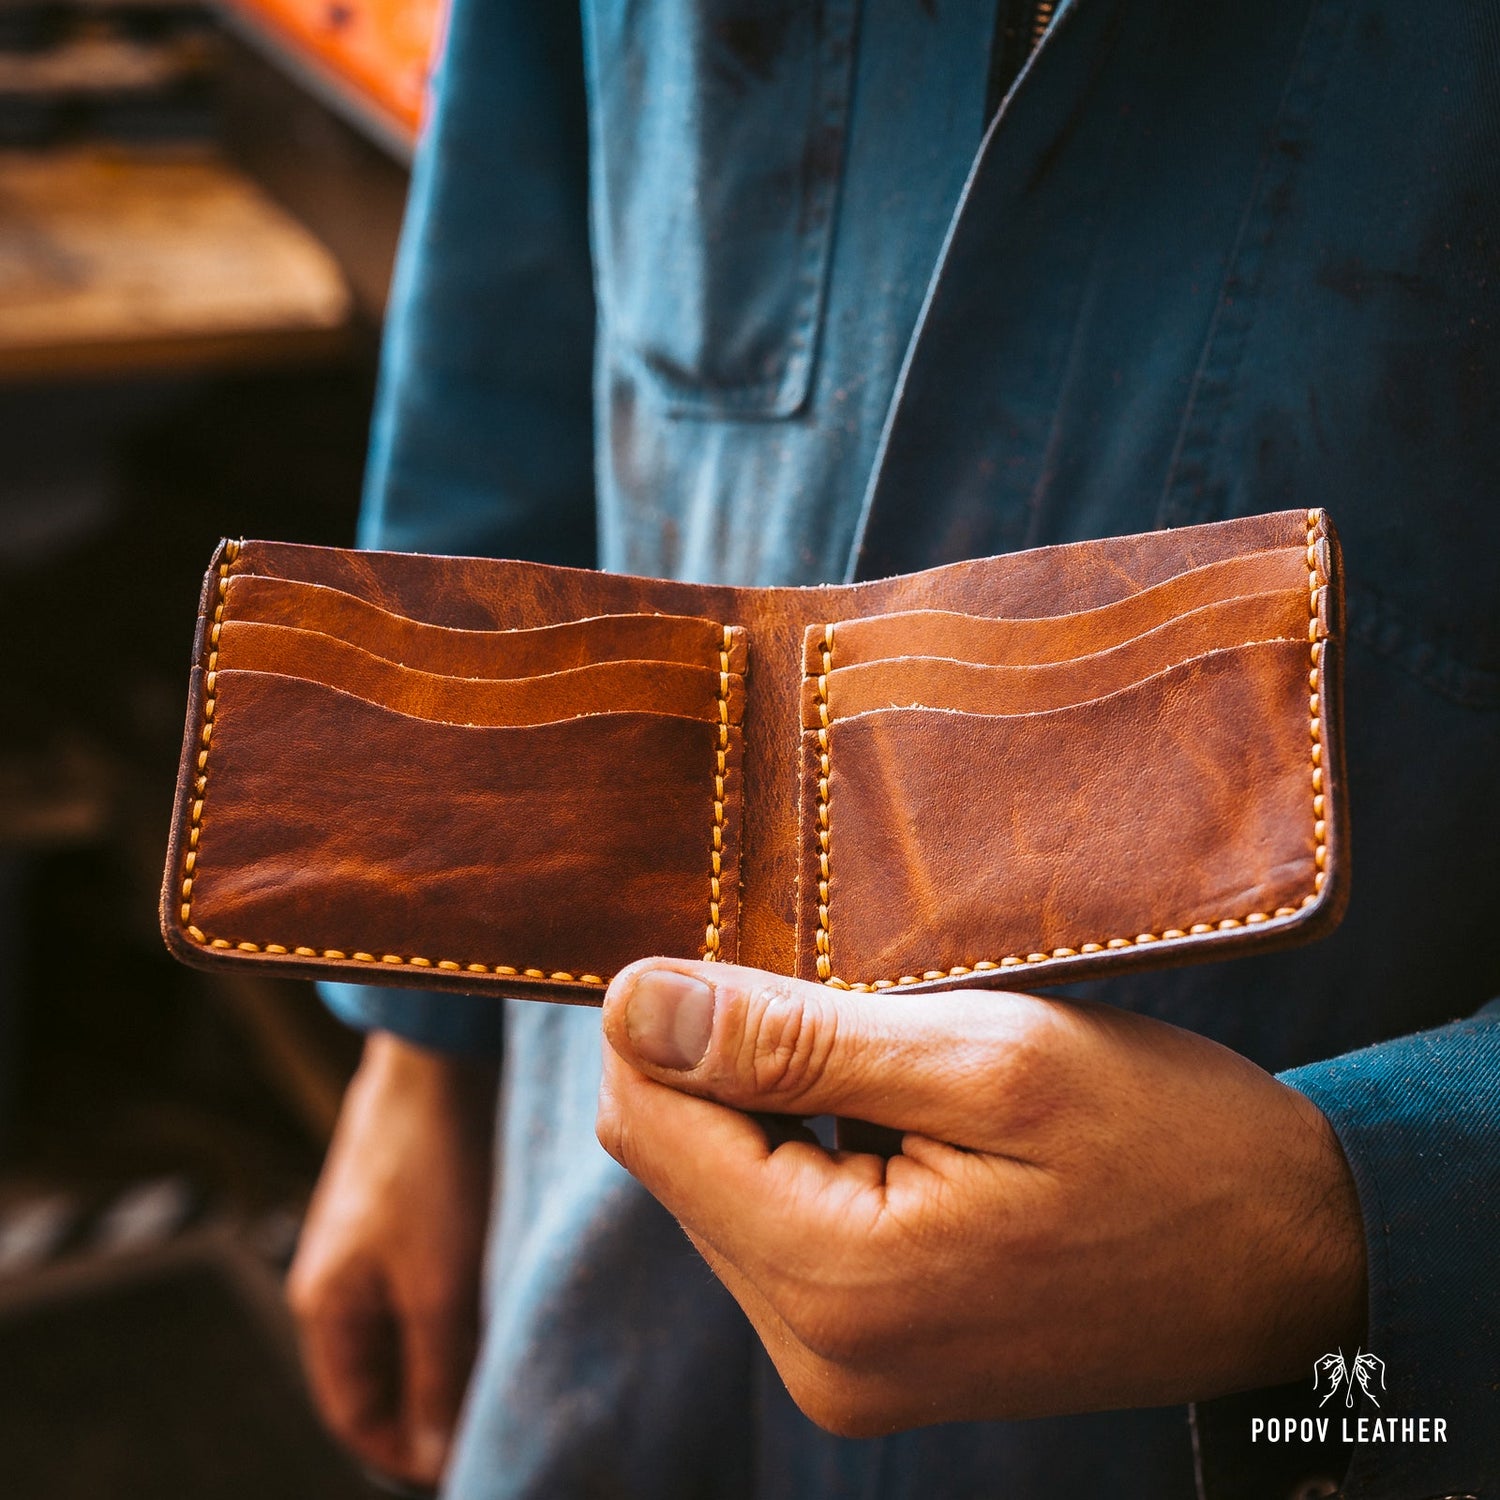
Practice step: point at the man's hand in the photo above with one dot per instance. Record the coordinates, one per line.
(1091, 1209)
(385, 1286)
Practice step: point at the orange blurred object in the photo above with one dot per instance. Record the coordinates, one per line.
(374, 54)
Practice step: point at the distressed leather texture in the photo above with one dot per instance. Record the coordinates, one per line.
(506, 777)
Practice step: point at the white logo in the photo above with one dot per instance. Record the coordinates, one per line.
(1364, 1372)
(1360, 1371)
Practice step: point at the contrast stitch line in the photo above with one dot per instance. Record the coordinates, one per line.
(338, 955)
(824, 937)
(205, 738)
(1316, 580)
(721, 770)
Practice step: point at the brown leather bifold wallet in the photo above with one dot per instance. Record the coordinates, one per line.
(505, 777)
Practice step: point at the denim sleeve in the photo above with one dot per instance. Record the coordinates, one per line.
(482, 437)
(1419, 1120)
(469, 1024)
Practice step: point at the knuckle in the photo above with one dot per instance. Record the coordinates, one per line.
(1026, 1068)
(333, 1286)
(609, 1126)
(306, 1292)
(1021, 1066)
(786, 1041)
(614, 1111)
(612, 1128)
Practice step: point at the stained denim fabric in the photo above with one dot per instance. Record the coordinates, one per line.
(748, 102)
(1209, 260)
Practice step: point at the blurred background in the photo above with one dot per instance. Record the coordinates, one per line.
(198, 211)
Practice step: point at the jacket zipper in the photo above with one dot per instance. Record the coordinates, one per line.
(1019, 26)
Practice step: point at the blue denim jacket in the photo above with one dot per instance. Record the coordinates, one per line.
(738, 291)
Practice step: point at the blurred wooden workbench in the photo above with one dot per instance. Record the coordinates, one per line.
(197, 225)
(115, 260)
(175, 193)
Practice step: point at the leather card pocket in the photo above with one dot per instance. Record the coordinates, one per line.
(475, 653)
(342, 810)
(334, 828)
(695, 692)
(980, 688)
(940, 842)
(1029, 641)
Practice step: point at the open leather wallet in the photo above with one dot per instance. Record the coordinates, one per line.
(505, 777)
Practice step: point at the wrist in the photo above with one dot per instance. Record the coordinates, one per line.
(391, 1066)
(1324, 1302)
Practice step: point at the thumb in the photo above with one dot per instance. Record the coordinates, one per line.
(933, 1064)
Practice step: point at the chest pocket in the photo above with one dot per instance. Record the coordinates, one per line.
(718, 140)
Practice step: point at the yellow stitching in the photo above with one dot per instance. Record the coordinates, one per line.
(200, 784)
(824, 937)
(1315, 580)
(337, 955)
(721, 771)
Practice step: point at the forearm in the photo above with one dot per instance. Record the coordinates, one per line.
(447, 1083)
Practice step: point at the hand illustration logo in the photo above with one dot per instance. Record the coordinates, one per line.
(1361, 1371)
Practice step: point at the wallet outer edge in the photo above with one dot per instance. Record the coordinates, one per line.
(1307, 924)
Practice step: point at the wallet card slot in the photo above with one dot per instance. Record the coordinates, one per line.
(939, 682)
(1030, 641)
(1187, 803)
(528, 652)
(329, 827)
(696, 692)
